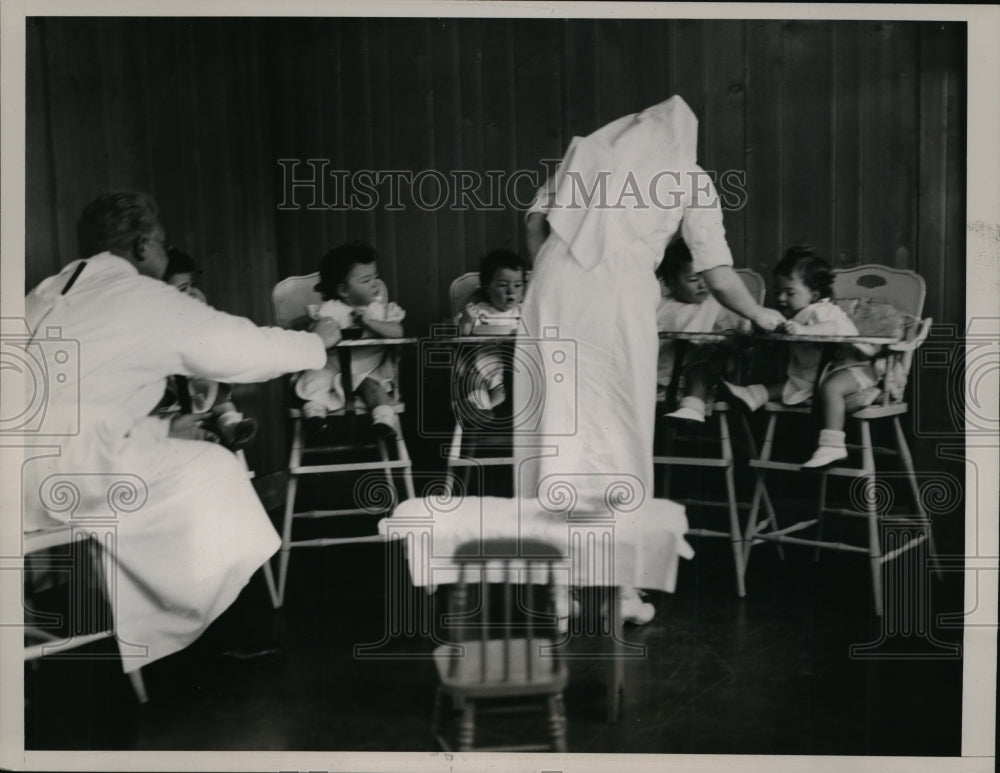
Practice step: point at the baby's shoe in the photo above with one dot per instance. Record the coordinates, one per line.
(691, 408)
(384, 422)
(753, 396)
(634, 610)
(237, 431)
(831, 449)
(315, 418)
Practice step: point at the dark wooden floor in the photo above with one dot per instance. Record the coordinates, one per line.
(771, 673)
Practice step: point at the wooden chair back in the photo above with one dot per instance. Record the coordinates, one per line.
(906, 290)
(293, 295)
(527, 614)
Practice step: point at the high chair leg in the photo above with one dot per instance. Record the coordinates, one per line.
(666, 452)
(820, 509)
(759, 493)
(911, 478)
(454, 452)
(272, 589)
(765, 496)
(404, 455)
(286, 539)
(874, 545)
(735, 533)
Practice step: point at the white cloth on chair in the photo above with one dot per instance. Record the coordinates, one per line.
(584, 404)
(187, 525)
(640, 548)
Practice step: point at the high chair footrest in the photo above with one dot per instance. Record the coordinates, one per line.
(334, 513)
(356, 466)
(689, 461)
(481, 461)
(695, 502)
(812, 543)
(849, 472)
(708, 533)
(360, 409)
(322, 542)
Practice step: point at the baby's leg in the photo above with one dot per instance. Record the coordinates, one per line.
(691, 407)
(377, 398)
(832, 394)
(372, 393)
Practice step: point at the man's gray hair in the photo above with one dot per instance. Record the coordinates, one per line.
(114, 221)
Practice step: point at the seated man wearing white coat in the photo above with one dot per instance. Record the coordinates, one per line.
(182, 557)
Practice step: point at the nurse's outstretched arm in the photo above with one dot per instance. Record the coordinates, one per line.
(727, 287)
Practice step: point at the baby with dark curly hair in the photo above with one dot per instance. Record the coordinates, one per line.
(804, 289)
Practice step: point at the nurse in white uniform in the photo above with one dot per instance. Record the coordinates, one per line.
(585, 376)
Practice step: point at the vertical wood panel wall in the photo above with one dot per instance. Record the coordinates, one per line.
(851, 135)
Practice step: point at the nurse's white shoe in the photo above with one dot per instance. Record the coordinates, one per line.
(634, 609)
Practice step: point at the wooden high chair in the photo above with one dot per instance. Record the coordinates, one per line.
(723, 459)
(291, 297)
(905, 292)
(465, 442)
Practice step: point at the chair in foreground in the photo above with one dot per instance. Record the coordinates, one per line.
(509, 654)
(52, 644)
(714, 454)
(309, 456)
(882, 302)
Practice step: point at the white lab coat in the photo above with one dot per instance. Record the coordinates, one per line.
(585, 381)
(188, 528)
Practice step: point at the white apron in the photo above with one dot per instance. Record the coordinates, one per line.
(585, 373)
(186, 527)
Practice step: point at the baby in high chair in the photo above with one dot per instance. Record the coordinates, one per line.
(223, 419)
(686, 305)
(804, 287)
(496, 312)
(353, 298)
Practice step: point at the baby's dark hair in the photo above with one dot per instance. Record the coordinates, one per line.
(497, 260)
(179, 262)
(336, 265)
(676, 260)
(802, 261)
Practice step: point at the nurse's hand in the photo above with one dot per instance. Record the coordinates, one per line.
(768, 319)
(187, 426)
(328, 330)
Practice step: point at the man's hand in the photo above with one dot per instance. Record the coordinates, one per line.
(187, 426)
(328, 330)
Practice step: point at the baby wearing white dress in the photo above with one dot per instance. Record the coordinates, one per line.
(496, 311)
(687, 306)
(804, 285)
(353, 299)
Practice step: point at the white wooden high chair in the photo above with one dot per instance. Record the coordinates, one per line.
(723, 460)
(904, 291)
(464, 444)
(291, 297)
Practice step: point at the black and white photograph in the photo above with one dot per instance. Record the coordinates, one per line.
(444, 385)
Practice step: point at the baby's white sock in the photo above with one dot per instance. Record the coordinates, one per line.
(833, 438)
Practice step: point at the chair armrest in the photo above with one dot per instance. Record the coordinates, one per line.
(923, 329)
